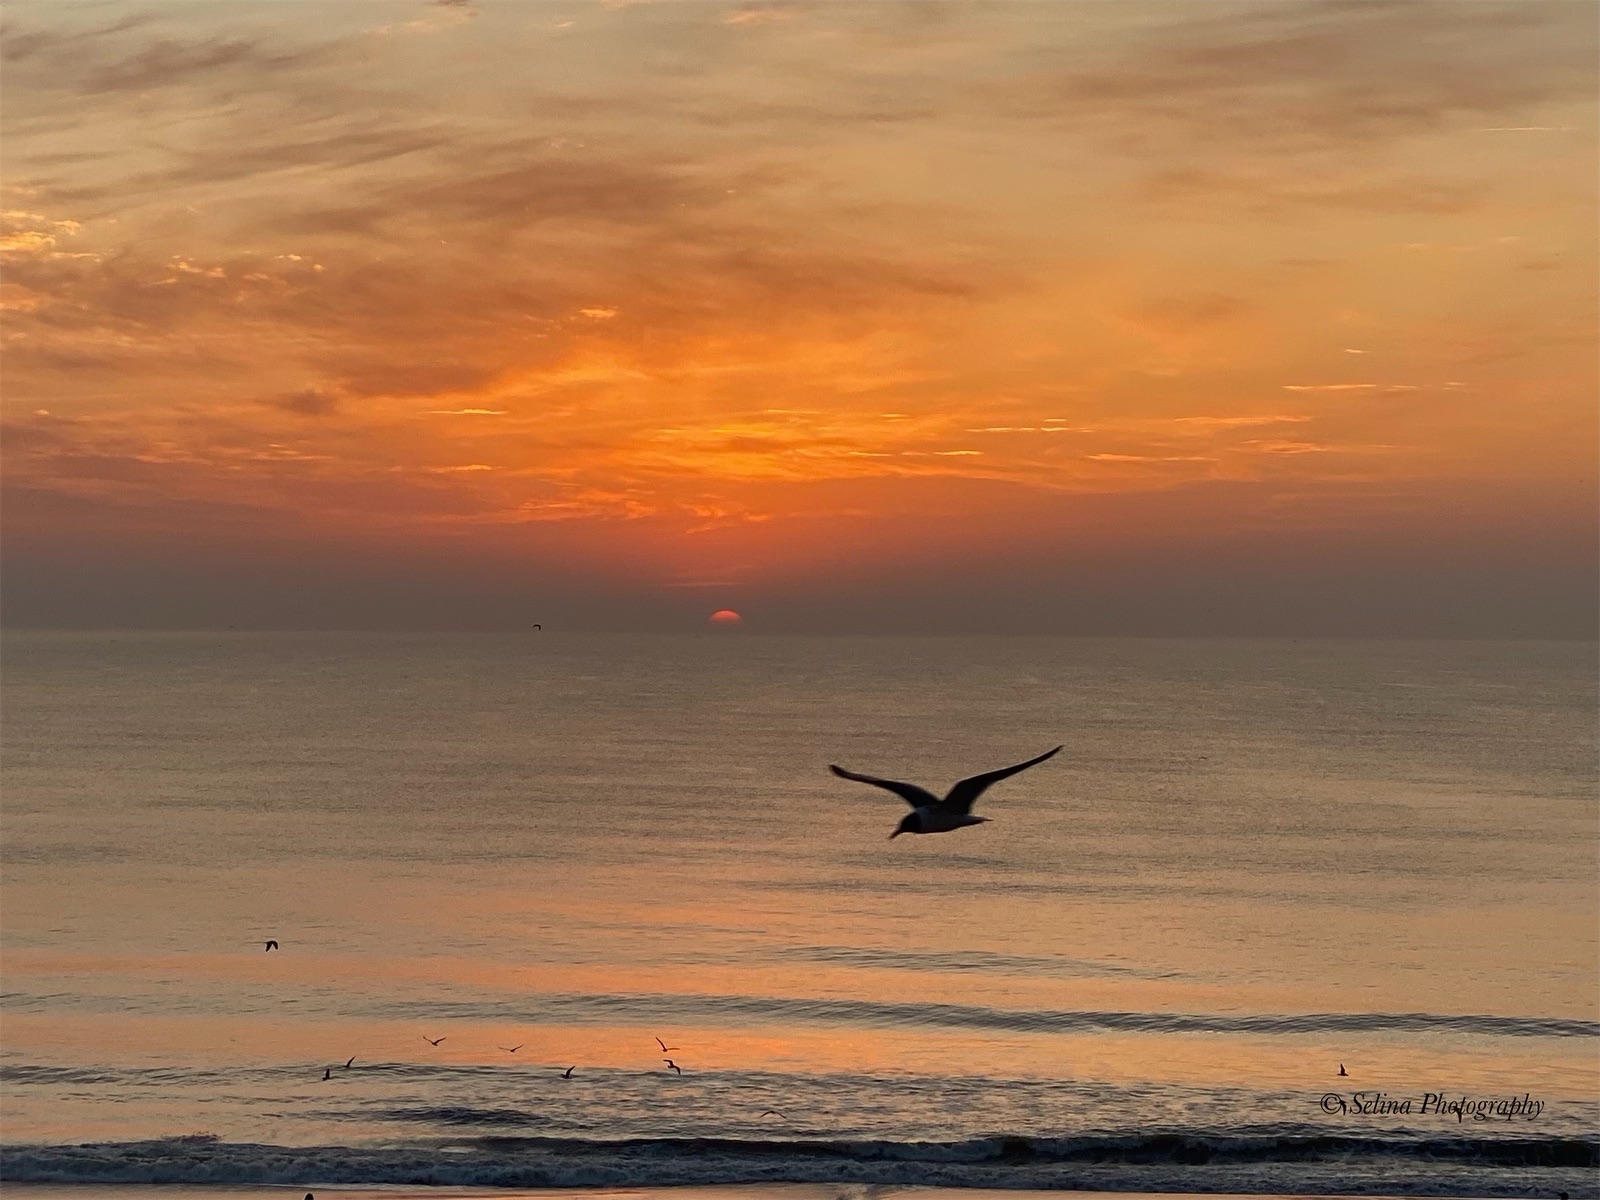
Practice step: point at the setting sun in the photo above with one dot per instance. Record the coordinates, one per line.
(725, 616)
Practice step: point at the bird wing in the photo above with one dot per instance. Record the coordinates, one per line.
(962, 796)
(909, 792)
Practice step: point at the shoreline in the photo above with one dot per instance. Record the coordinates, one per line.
(757, 1191)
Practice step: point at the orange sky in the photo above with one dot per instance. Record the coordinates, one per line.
(1016, 315)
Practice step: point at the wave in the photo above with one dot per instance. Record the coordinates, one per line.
(578, 1008)
(1160, 1161)
(601, 1008)
(970, 961)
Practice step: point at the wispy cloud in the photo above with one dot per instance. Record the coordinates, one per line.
(1331, 387)
(1241, 421)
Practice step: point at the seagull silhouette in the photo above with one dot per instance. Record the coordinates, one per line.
(271, 945)
(1342, 1071)
(665, 1047)
(327, 1073)
(433, 1041)
(673, 1065)
(772, 1112)
(929, 814)
(349, 1062)
(567, 1074)
(513, 1049)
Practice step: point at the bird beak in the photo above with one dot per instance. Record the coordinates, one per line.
(894, 835)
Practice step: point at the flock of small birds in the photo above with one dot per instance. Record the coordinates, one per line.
(929, 814)
(271, 944)
(327, 1072)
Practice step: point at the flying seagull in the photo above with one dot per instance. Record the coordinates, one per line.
(772, 1112)
(327, 1073)
(673, 1065)
(433, 1041)
(567, 1074)
(1342, 1071)
(665, 1047)
(513, 1049)
(349, 1062)
(929, 814)
(271, 944)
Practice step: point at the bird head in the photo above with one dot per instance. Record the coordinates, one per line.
(911, 824)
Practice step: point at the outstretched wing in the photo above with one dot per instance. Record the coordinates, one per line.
(962, 796)
(909, 792)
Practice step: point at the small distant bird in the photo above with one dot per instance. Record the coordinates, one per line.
(665, 1048)
(433, 1041)
(349, 1062)
(538, 626)
(929, 814)
(772, 1112)
(567, 1074)
(327, 1073)
(513, 1049)
(673, 1065)
(1342, 1071)
(271, 945)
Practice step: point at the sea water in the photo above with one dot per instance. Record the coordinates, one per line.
(1253, 862)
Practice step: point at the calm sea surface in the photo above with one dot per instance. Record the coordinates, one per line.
(1254, 861)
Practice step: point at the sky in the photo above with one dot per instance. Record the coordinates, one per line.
(1037, 316)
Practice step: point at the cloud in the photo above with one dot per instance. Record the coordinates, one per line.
(1304, 76)
(757, 14)
(33, 235)
(1288, 447)
(1331, 387)
(1240, 421)
(444, 14)
(96, 63)
(1262, 193)
(714, 275)
(1159, 458)
(310, 402)
(405, 376)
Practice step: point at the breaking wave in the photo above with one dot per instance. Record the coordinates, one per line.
(1170, 1161)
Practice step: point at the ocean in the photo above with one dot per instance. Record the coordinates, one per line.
(488, 858)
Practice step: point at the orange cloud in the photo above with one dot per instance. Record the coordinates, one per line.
(979, 260)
